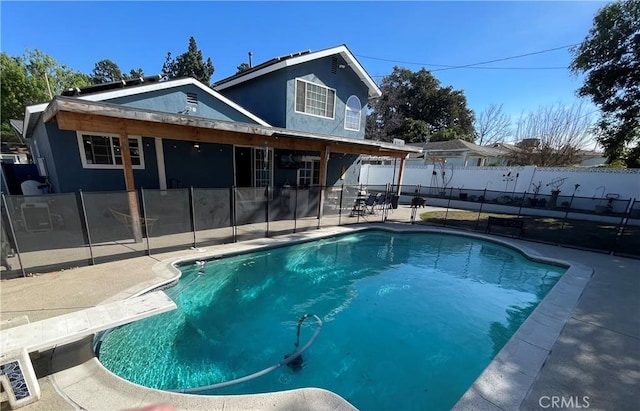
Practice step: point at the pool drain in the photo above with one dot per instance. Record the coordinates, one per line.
(293, 360)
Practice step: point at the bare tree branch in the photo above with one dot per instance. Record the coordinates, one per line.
(552, 135)
(492, 125)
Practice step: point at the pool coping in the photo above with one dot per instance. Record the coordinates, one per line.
(503, 384)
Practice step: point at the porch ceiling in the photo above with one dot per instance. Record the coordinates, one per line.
(73, 114)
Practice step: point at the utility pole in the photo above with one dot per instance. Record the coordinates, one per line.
(46, 79)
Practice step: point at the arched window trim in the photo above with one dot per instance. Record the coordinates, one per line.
(351, 113)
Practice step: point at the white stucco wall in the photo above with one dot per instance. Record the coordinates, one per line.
(593, 182)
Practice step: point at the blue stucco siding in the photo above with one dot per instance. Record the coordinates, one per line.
(345, 82)
(71, 176)
(174, 100)
(335, 166)
(264, 96)
(41, 147)
(209, 166)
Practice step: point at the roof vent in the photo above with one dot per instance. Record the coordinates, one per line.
(192, 98)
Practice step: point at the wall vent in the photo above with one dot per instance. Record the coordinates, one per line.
(334, 65)
(192, 98)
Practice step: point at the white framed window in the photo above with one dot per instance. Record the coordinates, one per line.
(315, 99)
(102, 150)
(352, 112)
(262, 171)
(309, 171)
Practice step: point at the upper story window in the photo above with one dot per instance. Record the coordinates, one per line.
(352, 114)
(315, 99)
(103, 151)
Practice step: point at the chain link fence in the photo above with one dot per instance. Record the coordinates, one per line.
(46, 232)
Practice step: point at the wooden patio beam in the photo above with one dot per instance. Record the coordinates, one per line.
(106, 124)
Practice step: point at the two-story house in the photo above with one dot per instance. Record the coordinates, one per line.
(296, 120)
(323, 92)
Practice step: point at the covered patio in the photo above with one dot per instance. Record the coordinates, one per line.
(71, 114)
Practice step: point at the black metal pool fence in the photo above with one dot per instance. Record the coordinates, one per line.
(52, 231)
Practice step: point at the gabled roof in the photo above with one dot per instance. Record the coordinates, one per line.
(457, 147)
(299, 58)
(32, 112)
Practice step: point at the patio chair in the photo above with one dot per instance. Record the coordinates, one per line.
(380, 197)
(418, 202)
(126, 219)
(386, 201)
(369, 204)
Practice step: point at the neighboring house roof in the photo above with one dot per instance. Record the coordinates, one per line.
(299, 58)
(506, 148)
(17, 126)
(32, 112)
(171, 120)
(509, 148)
(456, 148)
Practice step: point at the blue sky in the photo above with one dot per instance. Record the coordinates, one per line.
(139, 34)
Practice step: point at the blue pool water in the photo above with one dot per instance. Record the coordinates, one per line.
(410, 320)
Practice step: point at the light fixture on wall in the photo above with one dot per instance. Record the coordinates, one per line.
(196, 145)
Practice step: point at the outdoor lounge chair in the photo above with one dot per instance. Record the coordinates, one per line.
(380, 197)
(418, 202)
(369, 204)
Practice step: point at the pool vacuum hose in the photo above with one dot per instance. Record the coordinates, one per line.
(293, 360)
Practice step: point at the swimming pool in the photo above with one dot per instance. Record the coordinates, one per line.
(410, 320)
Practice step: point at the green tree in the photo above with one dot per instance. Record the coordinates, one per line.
(30, 79)
(242, 67)
(136, 73)
(414, 106)
(106, 71)
(610, 58)
(50, 77)
(16, 91)
(189, 64)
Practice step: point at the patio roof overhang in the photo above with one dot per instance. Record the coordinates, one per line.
(74, 114)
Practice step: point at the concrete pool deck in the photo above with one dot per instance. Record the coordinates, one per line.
(594, 354)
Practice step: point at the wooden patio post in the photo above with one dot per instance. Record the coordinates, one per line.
(130, 186)
(324, 160)
(401, 173)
